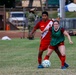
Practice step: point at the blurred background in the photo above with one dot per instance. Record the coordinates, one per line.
(14, 13)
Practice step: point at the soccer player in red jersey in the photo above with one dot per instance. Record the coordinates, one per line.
(57, 41)
(44, 23)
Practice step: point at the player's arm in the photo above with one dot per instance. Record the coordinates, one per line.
(68, 36)
(34, 29)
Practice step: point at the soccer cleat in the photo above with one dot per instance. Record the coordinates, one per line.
(66, 65)
(40, 66)
(63, 68)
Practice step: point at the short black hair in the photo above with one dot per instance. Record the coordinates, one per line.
(45, 12)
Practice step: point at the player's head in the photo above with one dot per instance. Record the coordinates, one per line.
(56, 24)
(44, 15)
(32, 10)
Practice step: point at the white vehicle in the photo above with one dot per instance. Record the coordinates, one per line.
(17, 18)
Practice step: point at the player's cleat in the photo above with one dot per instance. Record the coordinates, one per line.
(63, 68)
(40, 66)
(66, 65)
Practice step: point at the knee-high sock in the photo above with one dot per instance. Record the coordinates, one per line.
(46, 57)
(39, 59)
(63, 60)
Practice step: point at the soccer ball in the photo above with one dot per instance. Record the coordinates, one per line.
(46, 63)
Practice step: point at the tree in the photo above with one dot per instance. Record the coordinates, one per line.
(30, 3)
(18, 2)
(8, 3)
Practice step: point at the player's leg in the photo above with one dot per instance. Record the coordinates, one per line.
(48, 54)
(40, 58)
(63, 57)
(59, 55)
(50, 50)
(42, 48)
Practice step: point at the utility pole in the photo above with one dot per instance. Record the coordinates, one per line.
(24, 24)
(4, 17)
(30, 3)
(62, 8)
(41, 5)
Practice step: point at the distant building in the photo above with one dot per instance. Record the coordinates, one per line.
(36, 3)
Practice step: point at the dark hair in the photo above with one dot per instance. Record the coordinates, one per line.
(45, 12)
(56, 21)
(31, 12)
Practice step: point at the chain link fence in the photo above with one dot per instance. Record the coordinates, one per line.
(68, 23)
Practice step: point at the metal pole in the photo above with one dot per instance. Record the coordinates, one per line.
(41, 5)
(62, 8)
(46, 4)
(4, 16)
(30, 3)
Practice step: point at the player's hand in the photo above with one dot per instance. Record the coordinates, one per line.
(30, 35)
(42, 32)
(71, 42)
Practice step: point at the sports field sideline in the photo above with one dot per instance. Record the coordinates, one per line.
(19, 57)
(21, 33)
(17, 34)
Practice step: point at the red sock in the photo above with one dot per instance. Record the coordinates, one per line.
(63, 60)
(46, 57)
(39, 60)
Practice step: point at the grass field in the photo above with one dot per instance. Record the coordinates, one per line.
(19, 57)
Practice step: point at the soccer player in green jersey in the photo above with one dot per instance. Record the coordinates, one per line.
(57, 41)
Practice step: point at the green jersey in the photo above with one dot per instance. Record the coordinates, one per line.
(57, 36)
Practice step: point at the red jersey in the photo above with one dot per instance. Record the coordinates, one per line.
(45, 37)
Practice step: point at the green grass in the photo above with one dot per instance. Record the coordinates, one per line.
(70, 14)
(53, 14)
(19, 57)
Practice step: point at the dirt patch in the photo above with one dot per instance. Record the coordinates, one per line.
(16, 34)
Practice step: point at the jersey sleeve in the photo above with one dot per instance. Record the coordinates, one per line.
(37, 25)
(62, 30)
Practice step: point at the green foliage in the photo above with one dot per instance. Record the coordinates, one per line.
(27, 13)
(8, 3)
